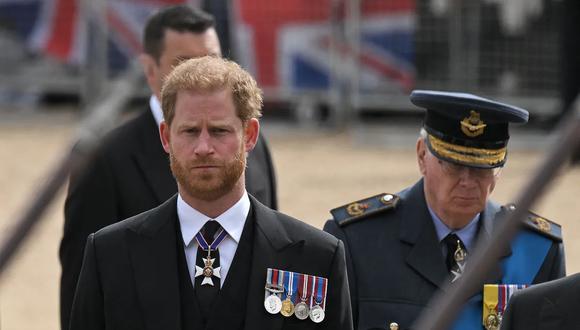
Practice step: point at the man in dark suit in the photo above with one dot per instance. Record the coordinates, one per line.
(402, 248)
(200, 260)
(130, 172)
(547, 306)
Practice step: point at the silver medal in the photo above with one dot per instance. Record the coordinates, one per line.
(317, 314)
(301, 310)
(273, 304)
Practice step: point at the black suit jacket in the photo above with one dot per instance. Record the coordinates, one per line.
(549, 306)
(129, 279)
(130, 174)
(395, 263)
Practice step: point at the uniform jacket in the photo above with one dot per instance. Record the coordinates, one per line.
(130, 174)
(129, 279)
(395, 263)
(548, 306)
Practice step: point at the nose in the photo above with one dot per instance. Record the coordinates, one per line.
(467, 175)
(203, 144)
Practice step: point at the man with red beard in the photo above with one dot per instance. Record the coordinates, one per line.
(212, 256)
(129, 172)
(426, 233)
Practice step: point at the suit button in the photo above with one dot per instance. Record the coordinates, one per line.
(394, 326)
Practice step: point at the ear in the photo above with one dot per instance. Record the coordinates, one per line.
(492, 186)
(165, 136)
(251, 132)
(149, 68)
(421, 154)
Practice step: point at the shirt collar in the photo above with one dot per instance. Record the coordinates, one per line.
(155, 106)
(466, 234)
(232, 220)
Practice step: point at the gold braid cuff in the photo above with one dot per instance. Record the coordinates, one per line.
(467, 155)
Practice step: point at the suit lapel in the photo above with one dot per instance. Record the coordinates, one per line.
(493, 212)
(152, 246)
(153, 160)
(417, 230)
(273, 248)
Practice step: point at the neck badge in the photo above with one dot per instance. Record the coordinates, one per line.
(459, 256)
(207, 270)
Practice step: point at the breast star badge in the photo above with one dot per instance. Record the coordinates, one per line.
(457, 273)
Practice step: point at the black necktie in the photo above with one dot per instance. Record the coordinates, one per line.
(206, 293)
(456, 256)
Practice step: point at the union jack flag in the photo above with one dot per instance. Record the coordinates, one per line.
(286, 43)
(58, 27)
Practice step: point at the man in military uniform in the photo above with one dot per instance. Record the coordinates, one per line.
(402, 248)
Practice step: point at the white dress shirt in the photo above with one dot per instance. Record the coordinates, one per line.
(232, 221)
(156, 110)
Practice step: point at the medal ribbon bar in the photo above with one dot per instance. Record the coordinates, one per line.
(320, 289)
(289, 285)
(495, 300)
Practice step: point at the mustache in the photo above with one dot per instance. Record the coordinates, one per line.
(205, 161)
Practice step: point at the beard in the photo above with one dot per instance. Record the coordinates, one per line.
(212, 185)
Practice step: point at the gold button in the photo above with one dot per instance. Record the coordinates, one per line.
(394, 326)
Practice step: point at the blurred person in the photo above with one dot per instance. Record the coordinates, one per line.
(201, 259)
(548, 306)
(402, 248)
(130, 172)
(569, 57)
(570, 63)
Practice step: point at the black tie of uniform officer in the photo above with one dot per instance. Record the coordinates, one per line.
(456, 254)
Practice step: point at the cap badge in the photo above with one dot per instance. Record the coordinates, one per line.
(472, 126)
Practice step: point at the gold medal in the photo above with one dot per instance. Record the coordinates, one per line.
(492, 322)
(287, 307)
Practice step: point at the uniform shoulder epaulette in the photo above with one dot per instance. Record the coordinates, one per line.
(541, 225)
(355, 211)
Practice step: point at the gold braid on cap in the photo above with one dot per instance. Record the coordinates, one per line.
(467, 155)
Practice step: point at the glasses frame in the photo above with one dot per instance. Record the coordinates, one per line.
(456, 170)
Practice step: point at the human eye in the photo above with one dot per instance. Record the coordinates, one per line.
(219, 130)
(483, 172)
(191, 130)
(456, 167)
